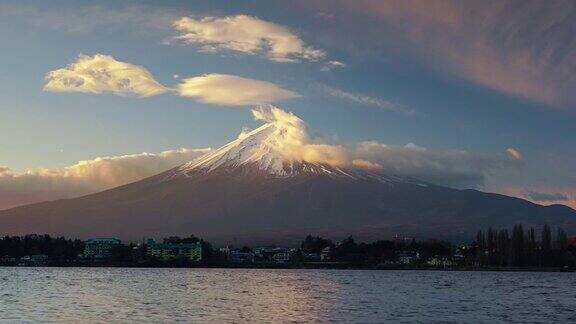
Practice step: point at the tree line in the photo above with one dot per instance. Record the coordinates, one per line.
(58, 249)
(491, 248)
(373, 253)
(522, 248)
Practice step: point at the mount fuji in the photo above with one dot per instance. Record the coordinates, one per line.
(271, 186)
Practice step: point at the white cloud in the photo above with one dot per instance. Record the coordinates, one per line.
(514, 153)
(415, 147)
(102, 73)
(247, 35)
(455, 168)
(293, 141)
(232, 90)
(367, 100)
(365, 164)
(86, 176)
(331, 65)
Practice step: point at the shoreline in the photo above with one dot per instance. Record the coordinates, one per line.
(295, 267)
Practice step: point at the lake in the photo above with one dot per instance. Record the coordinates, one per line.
(245, 295)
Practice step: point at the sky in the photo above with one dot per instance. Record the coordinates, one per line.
(468, 94)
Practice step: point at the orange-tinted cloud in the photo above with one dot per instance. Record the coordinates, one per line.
(245, 34)
(232, 90)
(543, 195)
(102, 73)
(522, 48)
(86, 176)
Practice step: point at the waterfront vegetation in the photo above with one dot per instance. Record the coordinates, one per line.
(490, 250)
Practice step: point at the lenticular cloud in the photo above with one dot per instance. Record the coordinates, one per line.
(245, 34)
(102, 73)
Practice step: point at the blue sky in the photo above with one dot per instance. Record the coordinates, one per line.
(429, 74)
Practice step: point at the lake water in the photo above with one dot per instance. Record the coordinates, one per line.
(238, 295)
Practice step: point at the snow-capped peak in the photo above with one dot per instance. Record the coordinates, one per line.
(276, 147)
(257, 146)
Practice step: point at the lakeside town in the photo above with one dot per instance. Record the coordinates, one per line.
(491, 249)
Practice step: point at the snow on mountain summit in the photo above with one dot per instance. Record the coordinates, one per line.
(280, 146)
(257, 146)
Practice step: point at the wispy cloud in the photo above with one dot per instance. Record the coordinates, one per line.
(247, 35)
(81, 18)
(331, 65)
(523, 48)
(102, 73)
(367, 100)
(232, 90)
(546, 197)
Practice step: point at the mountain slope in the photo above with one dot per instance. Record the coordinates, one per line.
(236, 205)
(264, 188)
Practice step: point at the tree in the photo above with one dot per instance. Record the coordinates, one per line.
(561, 240)
(314, 244)
(517, 246)
(491, 242)
(546, 250)
(502, 248)
(531, 247)
(480, 240)
(122, 253)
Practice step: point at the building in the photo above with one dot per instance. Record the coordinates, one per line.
(441, 261)
(282, 257)
(273, 254)
(266, 253)
(99, 248)
(171, 251)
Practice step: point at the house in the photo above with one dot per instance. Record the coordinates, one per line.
(99, 248)
(282, 257)
(171, 251)
(273, 254)
(266, 254)
(441, 261)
